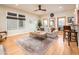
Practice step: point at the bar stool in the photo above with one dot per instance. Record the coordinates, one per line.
(73, 37)
(67, 33)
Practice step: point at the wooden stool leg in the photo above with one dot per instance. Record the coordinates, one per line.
(76, 39)
(64, 36)
(69, 38)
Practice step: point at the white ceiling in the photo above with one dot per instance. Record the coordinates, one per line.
(49, 8)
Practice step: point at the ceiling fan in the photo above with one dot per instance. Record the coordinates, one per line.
(40, 9)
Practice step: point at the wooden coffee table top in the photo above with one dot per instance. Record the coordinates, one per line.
(39, 34)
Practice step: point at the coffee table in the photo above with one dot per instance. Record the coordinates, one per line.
(38, 35)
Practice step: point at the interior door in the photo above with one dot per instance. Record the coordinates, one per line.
(61, 23)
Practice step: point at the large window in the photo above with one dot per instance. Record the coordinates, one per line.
(21, 23)
(52, 23)
(61, 23)
(45, 23)
(11, 24)
(15, 21)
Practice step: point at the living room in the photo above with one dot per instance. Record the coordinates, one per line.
(19, 21)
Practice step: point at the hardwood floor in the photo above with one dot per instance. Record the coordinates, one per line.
(58, 48)
(62, 48)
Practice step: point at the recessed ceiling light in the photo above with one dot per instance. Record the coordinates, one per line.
(60, 7)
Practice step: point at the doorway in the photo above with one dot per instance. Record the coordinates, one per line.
(61, 22)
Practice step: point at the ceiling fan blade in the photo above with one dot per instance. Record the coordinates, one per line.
(39, 8)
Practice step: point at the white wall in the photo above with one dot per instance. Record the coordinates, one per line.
(28, 27)
(2, 19)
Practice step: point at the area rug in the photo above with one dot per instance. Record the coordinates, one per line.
(34, 46)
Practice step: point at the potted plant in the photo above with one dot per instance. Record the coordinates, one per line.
(39, 24)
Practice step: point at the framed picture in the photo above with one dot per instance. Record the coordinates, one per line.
(70, 19)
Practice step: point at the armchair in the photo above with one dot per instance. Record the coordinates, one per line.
(3, 35)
